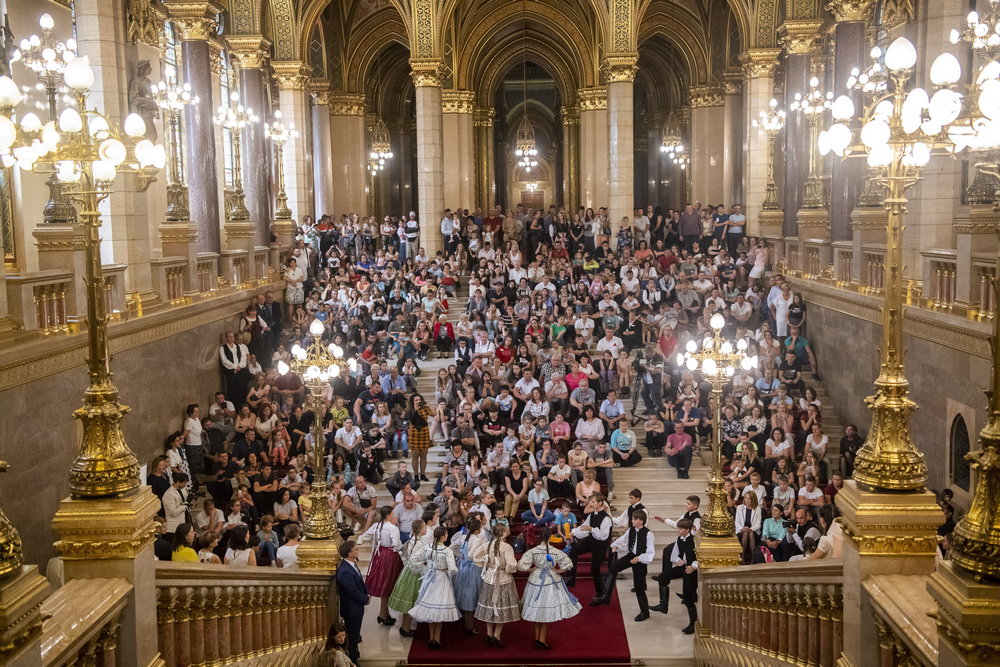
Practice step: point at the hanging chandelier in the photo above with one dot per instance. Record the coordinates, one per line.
(524, 145)
(381, 147)
(673, 142)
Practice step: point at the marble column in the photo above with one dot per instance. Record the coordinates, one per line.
(571, 160)
(322, 148)
(485, 169)
(459, 142)
(196, 21)
(798, 38)
(251, 51)
(732, 185)
(850, 51)
(621, 73)
(593, 109)
(292, 78)
(654, 159)
(427, 79)
(349, 154)
(708, 144)
(758, 90)
(125, 234)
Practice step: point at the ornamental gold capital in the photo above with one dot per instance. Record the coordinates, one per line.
(593, 99)
(457, 101)
(250, 51)
(195, 20)
(621, 67)
(319, 91)
(850, 10)
(760, 62)
(291, 74)
(570, 115)
(347, 104)
(707, 96)
(427, 72)
(484, 117)
(799, 37)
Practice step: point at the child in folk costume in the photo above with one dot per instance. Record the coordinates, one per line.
(436, 600)
(546, 598)
(498, 601)
(386, 564)
(404, 594)
(469, 577)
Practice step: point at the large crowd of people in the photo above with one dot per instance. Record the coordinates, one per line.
(562, 354)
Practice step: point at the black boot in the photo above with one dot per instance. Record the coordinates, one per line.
(664, 601)
(693, 618)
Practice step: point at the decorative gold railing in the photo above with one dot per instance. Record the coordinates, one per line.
(215, 615)
(773, 614)
(84, 619)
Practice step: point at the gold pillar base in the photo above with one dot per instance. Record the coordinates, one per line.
(770, 222)
(968, 617)
(716, 552)
(813, 224)
(21, 595)
(240, 235)
(285, 231)
(320, 554)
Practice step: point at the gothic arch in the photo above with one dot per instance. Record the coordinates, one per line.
(371, 37)
(675, 26)
(477, 47)
(500, 58)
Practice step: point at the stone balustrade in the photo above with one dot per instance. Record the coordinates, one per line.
(169, 279)
(873, 270)
(214, 615)
(907, 632)
(42, 299)
(773, 614)
(82, 622)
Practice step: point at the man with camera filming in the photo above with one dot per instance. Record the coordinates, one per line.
(802, 536)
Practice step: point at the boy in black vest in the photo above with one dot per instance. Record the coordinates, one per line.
(637, 551)
(683, 565)
(591, 536)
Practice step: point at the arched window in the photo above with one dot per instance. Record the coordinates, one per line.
(958, 448)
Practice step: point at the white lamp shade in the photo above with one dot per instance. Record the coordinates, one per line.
(316, 328)
(880, 156)
(839, 136)
(104, 170)
(727, 347)
(843, 108)
(920, 154)
(945, 70)
(144, 152)
(989, 99)
(159, 156)
(680, 359)
(66, 171)
(112, 150)
(70, 120)
(135, 126)
(10, 95)
(333, 369)
(295, 350)
(741, 344)
(691, 346)
(352, 364)
(98, 128)
(709, 366)
(283, 368)
(31, 123)
(8, 133)
(823, 142)
(875, 133)
(901, 55)
(913, 109)
(79, 75)
(338, 351)
(717, 321)
(945, 106)
(692, 364)
(930, 127)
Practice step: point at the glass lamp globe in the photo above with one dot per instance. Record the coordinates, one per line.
(283, 368)
(680, 359)
(692, 364)
(717, 321)
(901, 55)
(691, 346)
(945, 70)
(316, 328)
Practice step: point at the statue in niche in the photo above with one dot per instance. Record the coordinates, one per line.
(140, 98)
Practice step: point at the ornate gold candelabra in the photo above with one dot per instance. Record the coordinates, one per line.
(279, 133)
(771, 123)
(233, 117)
(85, 154)
(172, 98)
(813, 104)
(717, 359)
(316, 364)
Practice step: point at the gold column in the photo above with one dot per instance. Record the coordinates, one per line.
(485, 169)
(571, 138)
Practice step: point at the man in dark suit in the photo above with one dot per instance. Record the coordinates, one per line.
(353, 596)
(272, 313)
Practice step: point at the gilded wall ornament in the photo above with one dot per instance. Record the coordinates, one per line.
(347, 104)
(593, 99)
(707, 96)
(195, 20)
(799, 37)
(621, 68)
(427, 72)
(850, 10)
(896, 12)
(760, 62)
(291, 74)
(457, 101)
(143, 24)
(250, 51)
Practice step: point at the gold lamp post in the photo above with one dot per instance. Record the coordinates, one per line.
(172, 98)
(717, 359)
(813, 104)
(771, 122)
(47, 56)
(86, 152)
(279, 133)
(233, 117)
(316, 364)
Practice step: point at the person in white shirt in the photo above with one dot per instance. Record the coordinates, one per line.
(523, 387)
(287, 556)
(233, 356)
(610, 343)
(635, 550)
(175, 502)
(516, 274)
(682, 564)
(346, 437)
(584, 327)
(591, 536)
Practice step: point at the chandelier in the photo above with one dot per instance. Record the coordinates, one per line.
(381, 147)
(524, 145)
(673, 143)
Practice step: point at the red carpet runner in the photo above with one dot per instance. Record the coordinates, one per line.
(595, 636)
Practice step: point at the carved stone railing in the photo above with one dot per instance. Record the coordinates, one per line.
(907, 632)
(940, 278)
(83, 621)
(261, 263)
(169, 278)
(42, 300)
(213, 614)
(208, 273)
(844, 265)
(983, 294)
(773, 614)
(873, 274)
